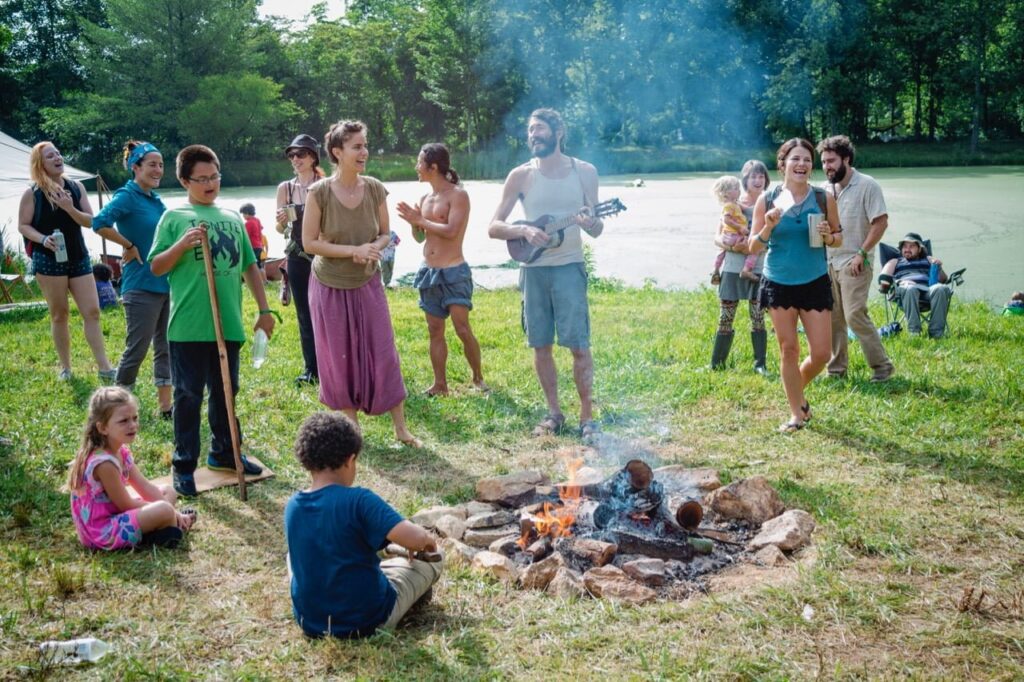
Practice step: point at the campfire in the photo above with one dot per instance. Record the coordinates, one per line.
(636, 534)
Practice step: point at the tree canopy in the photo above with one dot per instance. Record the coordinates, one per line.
(92, 73)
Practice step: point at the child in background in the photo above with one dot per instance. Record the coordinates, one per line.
(254, 228)
(387, 258)
(1015, 306)
(339, 586)
(732, 227)
(106, 515)
(191, 335)
(102, 273)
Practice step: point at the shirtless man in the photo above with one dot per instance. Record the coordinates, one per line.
(555, 284)
(445, 281)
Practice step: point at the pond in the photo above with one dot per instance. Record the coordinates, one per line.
(665, 236)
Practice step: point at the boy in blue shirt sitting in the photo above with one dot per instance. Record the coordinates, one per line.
(339, 585)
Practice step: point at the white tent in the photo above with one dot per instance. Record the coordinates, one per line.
(14, 179)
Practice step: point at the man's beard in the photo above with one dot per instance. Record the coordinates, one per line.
(547, 148)
(839, 174)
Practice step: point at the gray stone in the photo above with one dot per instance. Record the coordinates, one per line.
(492, 519)
(497, 565)
(538, 575)
(428, 517)
(506, 545)
(457, 553)
(610, 582)
(473, 507)
(566, 584)
(510, 490)
(749, 499)
(451, 527)
(647, 571)
(789, 531)
(770, 556)
(483, 537)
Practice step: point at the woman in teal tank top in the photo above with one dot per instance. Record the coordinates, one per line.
(795, 286)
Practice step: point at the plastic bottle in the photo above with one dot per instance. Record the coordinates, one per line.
(74, 651)
(259, 348)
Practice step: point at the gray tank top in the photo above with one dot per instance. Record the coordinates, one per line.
(557, 197)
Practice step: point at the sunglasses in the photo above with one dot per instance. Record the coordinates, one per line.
(298, 153)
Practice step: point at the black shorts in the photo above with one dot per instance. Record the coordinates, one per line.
(813, 295)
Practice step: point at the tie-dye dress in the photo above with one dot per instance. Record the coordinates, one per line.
(99, 522)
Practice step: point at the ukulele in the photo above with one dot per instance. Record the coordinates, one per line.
(525, 252)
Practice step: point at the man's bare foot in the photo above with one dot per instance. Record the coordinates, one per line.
(435, 391)
(481, 386)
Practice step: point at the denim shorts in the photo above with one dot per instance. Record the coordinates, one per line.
(444, 287)
(555, 301)
(44, 262)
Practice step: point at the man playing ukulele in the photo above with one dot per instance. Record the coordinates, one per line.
(554, 285)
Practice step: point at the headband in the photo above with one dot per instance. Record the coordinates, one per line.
(140, 151)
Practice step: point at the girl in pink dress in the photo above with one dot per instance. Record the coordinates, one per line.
(106, 515)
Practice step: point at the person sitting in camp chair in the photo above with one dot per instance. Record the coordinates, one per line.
(918, 287)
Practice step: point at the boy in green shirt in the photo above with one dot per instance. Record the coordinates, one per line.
(195, 360)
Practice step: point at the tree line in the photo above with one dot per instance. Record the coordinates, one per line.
(90, 74)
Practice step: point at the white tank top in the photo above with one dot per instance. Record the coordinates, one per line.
(556, 197)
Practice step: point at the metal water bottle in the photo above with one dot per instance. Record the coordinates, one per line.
(60, 254)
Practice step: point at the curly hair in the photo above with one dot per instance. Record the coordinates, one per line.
(840, 144)
(327, 440)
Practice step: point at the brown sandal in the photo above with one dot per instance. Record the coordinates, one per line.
(550, 425)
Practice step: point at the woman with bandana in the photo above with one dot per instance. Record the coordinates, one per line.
(130, 220)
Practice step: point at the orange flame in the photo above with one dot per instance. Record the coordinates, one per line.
(556, 522)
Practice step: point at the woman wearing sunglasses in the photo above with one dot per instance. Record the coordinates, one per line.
(291, 202)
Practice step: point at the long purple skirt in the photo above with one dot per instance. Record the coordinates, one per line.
(355, 347)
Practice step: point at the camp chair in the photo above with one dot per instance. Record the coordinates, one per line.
(894, 315)
(8, 281)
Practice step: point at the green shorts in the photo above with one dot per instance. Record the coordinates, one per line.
(555, 301)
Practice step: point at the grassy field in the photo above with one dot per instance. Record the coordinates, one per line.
(917, 486)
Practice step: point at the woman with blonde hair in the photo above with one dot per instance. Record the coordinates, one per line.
(50, 217)
(345, 228)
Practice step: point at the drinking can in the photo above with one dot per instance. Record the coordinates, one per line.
(933, 274)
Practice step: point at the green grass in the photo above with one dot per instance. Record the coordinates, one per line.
(917, 486)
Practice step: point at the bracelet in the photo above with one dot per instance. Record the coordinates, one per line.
(268, 311)
(863, 253)
(761, 239)
(131, 245)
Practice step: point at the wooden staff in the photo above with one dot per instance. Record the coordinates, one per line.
(225, 372)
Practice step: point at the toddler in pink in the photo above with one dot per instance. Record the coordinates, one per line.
(106, 515)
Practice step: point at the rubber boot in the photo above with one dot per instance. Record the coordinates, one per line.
(759, 341)
(720, 352)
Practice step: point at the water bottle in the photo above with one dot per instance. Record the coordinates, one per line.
(60, 254)
(74, 651)
(933, 274)
(259, 348)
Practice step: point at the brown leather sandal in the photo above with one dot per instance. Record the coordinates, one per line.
(550, 425)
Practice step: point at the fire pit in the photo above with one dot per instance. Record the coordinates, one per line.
(636, 535)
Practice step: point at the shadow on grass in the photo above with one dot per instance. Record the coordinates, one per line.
(972, 469)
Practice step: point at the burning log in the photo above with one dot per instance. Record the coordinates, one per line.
(657, 547)
(596, 552)
(527, 531)
(540, 549)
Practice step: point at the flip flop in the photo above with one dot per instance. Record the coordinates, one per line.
(589, 429)
(806, 409)
(550, 425)
(792, 426)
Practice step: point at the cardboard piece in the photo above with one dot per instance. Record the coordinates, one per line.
(207, 480)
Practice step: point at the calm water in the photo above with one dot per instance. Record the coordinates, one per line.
(665, 236)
